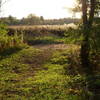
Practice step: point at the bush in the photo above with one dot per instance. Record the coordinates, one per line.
(8, 41)
(73, 35)
(3, 30)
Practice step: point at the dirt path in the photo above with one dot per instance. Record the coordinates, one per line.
(54, 46)
(36, 61)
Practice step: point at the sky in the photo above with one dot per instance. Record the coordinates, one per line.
(49, 9)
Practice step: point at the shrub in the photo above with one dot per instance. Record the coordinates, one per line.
(7, 41)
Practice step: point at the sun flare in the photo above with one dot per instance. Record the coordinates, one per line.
(47, 8)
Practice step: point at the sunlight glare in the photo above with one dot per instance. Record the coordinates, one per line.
(47, 8)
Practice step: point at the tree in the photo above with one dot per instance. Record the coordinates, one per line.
(88, 12)
(41, 18)
(33, 19)
(89, 9)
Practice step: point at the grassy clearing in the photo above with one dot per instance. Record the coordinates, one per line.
(15, 68)
(54, 39)
(45, 40)
(52, 73)
(33, 74)
(53, 83)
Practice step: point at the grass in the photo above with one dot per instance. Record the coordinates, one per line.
(13, 69)
(33, 74)
(53, 39)
(40, 30)
(53, 83)
(27, 73)
(45, 40)
(7, 41)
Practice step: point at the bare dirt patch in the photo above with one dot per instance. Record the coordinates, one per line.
(54, 46)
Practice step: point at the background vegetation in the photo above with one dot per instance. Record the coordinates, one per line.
(32, 19)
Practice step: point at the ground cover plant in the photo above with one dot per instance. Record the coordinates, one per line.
(7, 41)
(47, 67)
(50, 59)
(37, 74)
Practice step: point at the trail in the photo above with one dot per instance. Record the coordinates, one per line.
(53, 46)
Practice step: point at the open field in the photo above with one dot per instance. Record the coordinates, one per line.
(41, 29)
(44, 26)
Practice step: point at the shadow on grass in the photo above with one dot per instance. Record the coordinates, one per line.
(45, 41)
(7, 52)
(92, 85)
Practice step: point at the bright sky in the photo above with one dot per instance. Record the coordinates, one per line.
(47, 8)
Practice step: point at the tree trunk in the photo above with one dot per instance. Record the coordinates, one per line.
(85, 47)
(85, 43)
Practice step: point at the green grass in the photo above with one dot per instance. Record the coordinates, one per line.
(69, 38)
(33, 74)
(45, 40)
(27, 73)
(53, 83)
(53, 40)
(13, 70)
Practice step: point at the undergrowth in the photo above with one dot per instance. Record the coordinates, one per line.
(33, 74)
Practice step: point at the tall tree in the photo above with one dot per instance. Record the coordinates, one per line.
(89, 8)
(88, 12)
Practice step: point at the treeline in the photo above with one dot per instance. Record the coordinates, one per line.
(32, 19)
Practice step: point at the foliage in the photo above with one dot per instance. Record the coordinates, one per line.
(29, 73)
(18, 81)
(73, 36)
(32, 19)
(78, 7)
(49, 34)
(95, 38)
(7, 41)
(3, 29)
(44, 40)
(12, 68)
